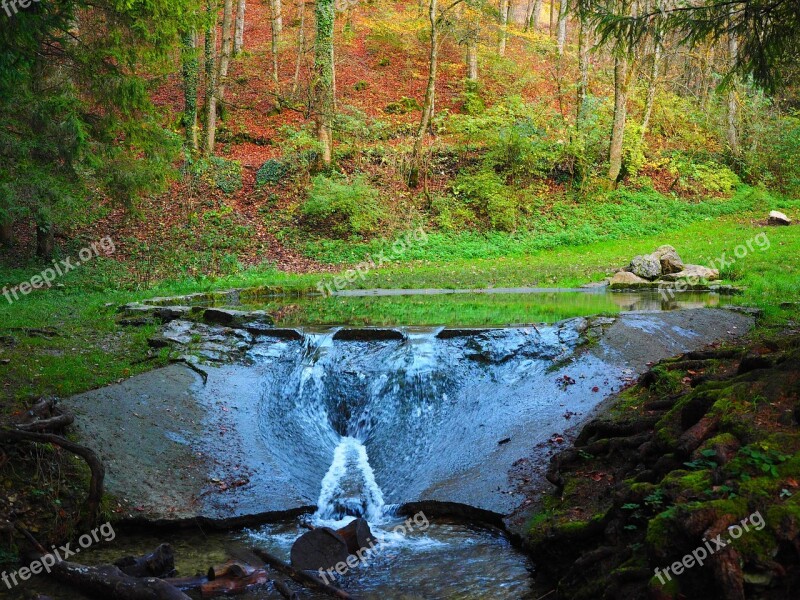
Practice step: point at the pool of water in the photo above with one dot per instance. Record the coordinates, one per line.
(490, 307)
(443, 560)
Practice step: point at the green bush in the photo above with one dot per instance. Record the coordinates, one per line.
(271, 172)
(489, 198)
(344, 206)
(702, 177)
(218, 172)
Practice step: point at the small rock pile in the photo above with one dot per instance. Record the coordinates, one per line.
(663, 265)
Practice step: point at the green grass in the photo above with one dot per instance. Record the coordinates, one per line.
(90, 350)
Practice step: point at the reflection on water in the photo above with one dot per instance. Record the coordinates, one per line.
(496, 307)
(447, 560)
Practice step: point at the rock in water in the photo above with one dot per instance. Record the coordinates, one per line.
(778, 218)
(646, 266)
(321, 548)
(626, 280)
(669, 259)
(693, 273)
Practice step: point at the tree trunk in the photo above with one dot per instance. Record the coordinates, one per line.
(563, 8)
(430, 93)
(211, 77)
(620, 116)
(45, 241)
(536, 13)
(473, 31)
(583, 67)
(651, 88)
(276, 25)
(276, 9)
(552, 17)
(301, 47)
(238, 38)
(6, 231)
(501, 50)
(733, 103)
(324, 94)
(190, 71)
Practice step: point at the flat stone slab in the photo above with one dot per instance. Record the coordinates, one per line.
(176, 449)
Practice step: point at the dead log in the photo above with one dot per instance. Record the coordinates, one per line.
(284, 590)
(159, 563)
(96, 467)
(321, 548)
(232, 582)
(357, 535)
(186, 584)
(232, 568)
(107, 581)
(306, 579)
(57, 423)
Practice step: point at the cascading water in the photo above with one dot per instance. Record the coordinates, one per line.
(358, 423)
(349, 487)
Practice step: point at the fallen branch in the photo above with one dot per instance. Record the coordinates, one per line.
(305, 579)
(95, 465)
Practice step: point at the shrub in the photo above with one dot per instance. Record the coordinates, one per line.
(402, 106)
(488, 197)
(271, 172)
(344, 206)
(702, 177)
(216, 171)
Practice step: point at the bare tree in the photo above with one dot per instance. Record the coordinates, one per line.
(563, 9)
(301, 47)
(190, 71)
(504, 7)
(238, 38)
(210, 51)
(733, 103)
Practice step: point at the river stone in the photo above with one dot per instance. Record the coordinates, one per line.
(778, 218)
(626, 280)
(693, 273)
(669, 259)
(646, 266)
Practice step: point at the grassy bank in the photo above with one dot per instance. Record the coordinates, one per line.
(65, 340)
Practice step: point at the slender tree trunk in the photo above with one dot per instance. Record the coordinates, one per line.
(473, 32)
(620, 116)
(301, 47)
(276, 27)
(535, 16)
(238, 38)
(45, 240)
(430, 94)
(733, 103)
(651, 88)
(324, 80)
(6, 230)
(501, 49)
(211, 77)
(583, 66)
(563, 9)
(276, 10)
(552, 17)
(190, 71)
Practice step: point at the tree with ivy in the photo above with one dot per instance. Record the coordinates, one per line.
(324, 83)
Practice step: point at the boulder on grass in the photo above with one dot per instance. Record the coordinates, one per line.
(626, 280)
(646, 266)
(778, 218)
(693, 274)
(669, 259)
